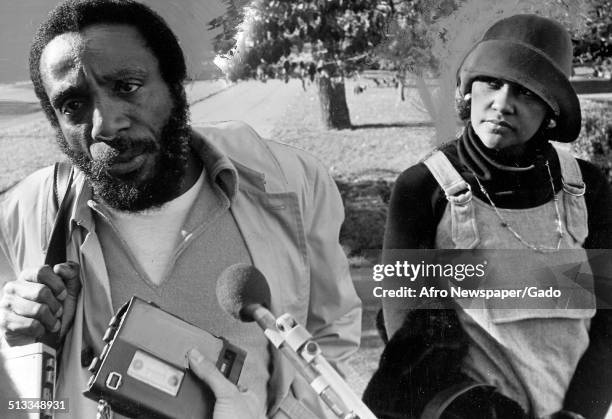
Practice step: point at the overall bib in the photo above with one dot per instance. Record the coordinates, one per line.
(528, 349)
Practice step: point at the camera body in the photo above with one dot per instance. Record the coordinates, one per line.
(142, 369)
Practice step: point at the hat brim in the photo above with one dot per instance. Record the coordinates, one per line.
(531, 69)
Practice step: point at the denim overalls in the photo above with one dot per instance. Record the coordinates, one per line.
(529, 354)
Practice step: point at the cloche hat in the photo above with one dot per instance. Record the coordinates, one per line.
(536, 53)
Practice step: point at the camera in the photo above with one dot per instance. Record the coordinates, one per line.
(142, 369)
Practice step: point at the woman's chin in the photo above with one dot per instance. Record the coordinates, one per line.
(494, 141)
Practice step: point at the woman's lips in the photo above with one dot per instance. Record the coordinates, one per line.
(496, 124)
(125, 166)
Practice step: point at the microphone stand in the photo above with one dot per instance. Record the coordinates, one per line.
(298, 346)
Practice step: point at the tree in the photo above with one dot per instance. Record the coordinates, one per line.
(228, 23)
(338, 35)
(594, 43)
(410, 43)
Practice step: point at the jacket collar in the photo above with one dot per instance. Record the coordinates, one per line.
(220, 169)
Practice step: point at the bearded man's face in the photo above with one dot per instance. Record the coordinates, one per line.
(118, 120)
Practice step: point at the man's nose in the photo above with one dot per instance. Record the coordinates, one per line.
(503, 99)
(108, 119)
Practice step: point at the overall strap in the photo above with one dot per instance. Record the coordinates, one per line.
(574, 188)
(459, 195)
(570, 172)
(445, 174)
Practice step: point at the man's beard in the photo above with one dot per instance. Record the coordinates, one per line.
(168, 171)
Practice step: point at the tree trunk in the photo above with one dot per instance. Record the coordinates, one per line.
(401, 92)
(401, 86)
(332, 96)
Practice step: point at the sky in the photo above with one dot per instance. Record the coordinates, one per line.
(187, 18)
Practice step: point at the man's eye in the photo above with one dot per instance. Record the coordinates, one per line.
(127, 87)
(71, 106)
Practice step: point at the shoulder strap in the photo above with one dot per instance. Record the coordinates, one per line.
(63, 173)
(56, 248)
(62, 180)
(570, 173)
(445, 174)
(458, 192)
(576, 213)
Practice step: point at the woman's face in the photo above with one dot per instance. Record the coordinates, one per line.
(505, 114)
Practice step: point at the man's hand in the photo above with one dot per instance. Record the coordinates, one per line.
(231, 403)
(41, 301)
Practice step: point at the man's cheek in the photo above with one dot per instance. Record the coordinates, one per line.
(76, 138)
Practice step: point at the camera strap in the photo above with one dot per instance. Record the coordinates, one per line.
(63, 174)
(56, 246)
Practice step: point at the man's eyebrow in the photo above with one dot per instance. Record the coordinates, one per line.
(123, 73)
(57, 98)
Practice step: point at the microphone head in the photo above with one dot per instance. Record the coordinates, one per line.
(239, 286)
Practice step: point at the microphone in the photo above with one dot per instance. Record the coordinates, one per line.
(243, 292)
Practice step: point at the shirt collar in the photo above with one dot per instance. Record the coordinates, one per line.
(220, 170)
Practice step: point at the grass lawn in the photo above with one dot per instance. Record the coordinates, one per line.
(387, 136)
(25, 148)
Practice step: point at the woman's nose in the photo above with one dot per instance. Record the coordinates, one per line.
(504, 99)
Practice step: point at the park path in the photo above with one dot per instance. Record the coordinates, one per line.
(262, 105)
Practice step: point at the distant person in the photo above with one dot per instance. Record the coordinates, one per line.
(159, 209)
(262, 70)
(286, 70)
(312, 71)
(503, 185)
(303, 74)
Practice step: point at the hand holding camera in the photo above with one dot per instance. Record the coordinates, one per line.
(232, 401)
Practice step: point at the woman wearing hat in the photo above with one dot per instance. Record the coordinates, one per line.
(502, 185)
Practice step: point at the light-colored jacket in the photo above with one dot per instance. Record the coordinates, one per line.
(289, 212)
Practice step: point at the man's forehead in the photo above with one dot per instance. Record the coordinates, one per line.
(101, 43)
(61, 53)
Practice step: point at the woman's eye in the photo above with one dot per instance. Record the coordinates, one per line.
(526, 92)
(127, 87)
(71, 107)
(494, 83)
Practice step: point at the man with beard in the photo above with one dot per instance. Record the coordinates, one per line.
(158, 209)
